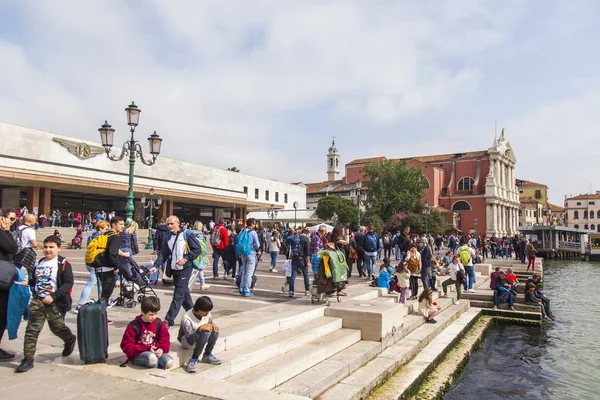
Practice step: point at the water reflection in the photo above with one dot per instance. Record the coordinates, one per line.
(555, 361)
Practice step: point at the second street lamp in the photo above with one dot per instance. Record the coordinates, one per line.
(132, 148)
(272, 213)
(151, 204)
(426, 215)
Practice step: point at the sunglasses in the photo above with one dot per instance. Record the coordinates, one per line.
(13, 219)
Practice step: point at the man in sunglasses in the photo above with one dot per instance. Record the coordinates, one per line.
(8, 247)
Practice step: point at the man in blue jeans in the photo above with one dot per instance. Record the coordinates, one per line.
(299, 246)
(370, 244)
(249, 261)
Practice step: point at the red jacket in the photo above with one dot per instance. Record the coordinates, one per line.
(132, 346)
(224, 235)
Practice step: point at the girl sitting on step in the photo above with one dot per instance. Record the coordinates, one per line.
(428, 307)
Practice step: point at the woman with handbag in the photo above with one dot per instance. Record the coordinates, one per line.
(8, 247)
(274, 249)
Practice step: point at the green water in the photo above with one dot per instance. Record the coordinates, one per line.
(559, 360)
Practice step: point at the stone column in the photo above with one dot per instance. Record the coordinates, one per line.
(45, 201)
(488, 217)
(33, 198)
(494, 218)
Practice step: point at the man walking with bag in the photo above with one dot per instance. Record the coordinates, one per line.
(181, 250)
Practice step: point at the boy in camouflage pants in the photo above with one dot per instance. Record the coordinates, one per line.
(52, 283)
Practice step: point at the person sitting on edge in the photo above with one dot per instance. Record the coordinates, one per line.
(535, 278)
(453, 269)
(146, 341)
(493, 276)
(427, 306)
(52, 281)
(532, 300)
(502, 294)
(384, 278)
(514, 282)
(196, 331)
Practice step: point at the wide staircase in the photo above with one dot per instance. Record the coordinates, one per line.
(298, 350)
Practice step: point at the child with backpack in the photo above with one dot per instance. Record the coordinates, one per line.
(198, 332)
(51, 284)
(146, 341)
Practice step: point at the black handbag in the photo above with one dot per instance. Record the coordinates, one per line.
(26, 258)
(8, 275)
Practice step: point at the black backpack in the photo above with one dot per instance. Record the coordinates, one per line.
(460, 276)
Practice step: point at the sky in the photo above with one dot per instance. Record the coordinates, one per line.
(265, 85)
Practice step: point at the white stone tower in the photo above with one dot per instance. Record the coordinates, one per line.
(333, 163)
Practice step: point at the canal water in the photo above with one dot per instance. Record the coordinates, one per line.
(560, 360)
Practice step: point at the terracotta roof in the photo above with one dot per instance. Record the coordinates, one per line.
(524, 183)
(585, 197)
(366, 160)
(319, 186)
(529, 200)
(556, 209)
(449, 157)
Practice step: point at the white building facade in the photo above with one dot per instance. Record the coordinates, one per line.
(501, 193)
(583, 212)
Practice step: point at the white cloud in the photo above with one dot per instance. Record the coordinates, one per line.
(264, 85)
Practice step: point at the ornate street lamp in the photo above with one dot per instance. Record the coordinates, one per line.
(358, 186)
(151, 204)
(131, 148)
(426, 215)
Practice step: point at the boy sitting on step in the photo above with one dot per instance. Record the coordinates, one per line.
(196, 331)
(146, 341)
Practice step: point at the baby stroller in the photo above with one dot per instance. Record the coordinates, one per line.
(76, 242)
(134, 282)
(330, 276)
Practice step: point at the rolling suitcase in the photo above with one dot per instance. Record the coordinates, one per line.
(92, 332)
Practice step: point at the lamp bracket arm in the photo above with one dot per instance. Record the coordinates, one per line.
(124, 152)
(140, 153)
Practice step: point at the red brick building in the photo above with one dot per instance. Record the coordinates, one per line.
(478, 186)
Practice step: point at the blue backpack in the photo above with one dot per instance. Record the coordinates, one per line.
(295, 248)
(370, 243)
(243, 246)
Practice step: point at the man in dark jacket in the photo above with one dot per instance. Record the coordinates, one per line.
(404, 242)
(108, 267)
(425, 263)
(8, 247)
(179, 265)
(360, 251)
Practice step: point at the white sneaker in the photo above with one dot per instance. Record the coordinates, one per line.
(274, 270)
(457, 302)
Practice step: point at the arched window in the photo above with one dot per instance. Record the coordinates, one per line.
(592, 214)
(576, 226)
(592, 227)
(585, 214)
(575, 214)
(461, 206)
(331, 162)
(337, 163)
(427, 184)
(586, 226)
(466, 184)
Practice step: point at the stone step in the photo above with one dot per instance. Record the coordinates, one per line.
(314, 381)
(242, 358)
(280, 369)
(324, 375)
(252, 326)
(361, 382)
(488, 295)
(524, 311)
(413, 371)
